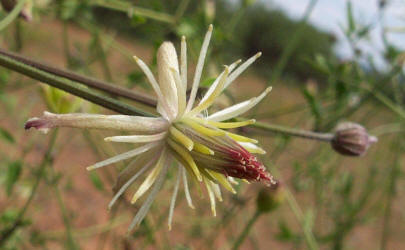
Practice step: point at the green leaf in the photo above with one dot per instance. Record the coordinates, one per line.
(7, 136)
(207, 82)
(350, 19)
(95, 179)
(13, 173)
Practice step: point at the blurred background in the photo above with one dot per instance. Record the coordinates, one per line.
(328, 61)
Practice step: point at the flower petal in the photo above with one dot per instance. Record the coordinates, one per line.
(148, 202)
(174, 197)
(241, 68)
(136, 138)
(237, 109)
(199, 68)
(124, 156)
(167, 59)
(186, 189)
(93, 121)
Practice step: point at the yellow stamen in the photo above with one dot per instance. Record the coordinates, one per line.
(201, 129)
(241, 138)
(181, 138)
(187, 157)
(203, 149)
(222, 180)
(226, 124)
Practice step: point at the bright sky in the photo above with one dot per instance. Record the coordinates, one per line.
(329, 15)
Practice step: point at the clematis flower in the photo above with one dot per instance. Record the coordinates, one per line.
(199, 144)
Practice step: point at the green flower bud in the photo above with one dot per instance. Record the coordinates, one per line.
(270, 198)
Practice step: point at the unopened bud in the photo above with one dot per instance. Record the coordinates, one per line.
(270, 198)
(352, 139)
(26, 12)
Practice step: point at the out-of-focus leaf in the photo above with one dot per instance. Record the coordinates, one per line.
(136, 78)
(137, 20)
(350, 19)
(7, 136)
(207, 82)
(13, 173)
(95, 179)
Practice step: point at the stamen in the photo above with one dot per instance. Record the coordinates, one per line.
(226, 124)
(241, 138)
(222, 180)
(187, 157)
(202, 149)
(201, 129)
(181, 138)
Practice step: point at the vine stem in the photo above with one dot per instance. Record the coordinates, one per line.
(71, 82)
(241, 238)
(12, 15)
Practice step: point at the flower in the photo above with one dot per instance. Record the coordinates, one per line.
(184, 134)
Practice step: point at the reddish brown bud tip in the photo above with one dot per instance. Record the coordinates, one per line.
(352, 139)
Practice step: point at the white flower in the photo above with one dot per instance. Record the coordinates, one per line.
(196, 142)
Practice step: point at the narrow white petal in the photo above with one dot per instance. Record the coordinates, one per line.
(128, 183)
(238, 109)
(183, 67)
(148, 202)
(211, 195)
(211, 98)
(137, 138)
(186, 189)
(174, 197)
(217, 190)
(167, 59)
(93, 121)
(241, 68)
(232, 180)
(151, 178)
(199, 68)
(155, 86)
(124, 156)
(216, 82)
(252, 148)
(181, 92)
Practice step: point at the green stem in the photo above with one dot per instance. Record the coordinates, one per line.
(12, 15)
(327, 137)
(8, 232)
(90, 82)
(246, 230)
(134, 10)
(69, 86)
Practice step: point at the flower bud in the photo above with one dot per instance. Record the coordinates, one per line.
(26, 12)
(352, 139)
(270, 198)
